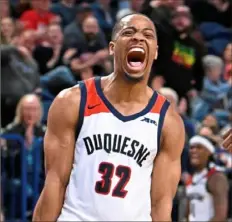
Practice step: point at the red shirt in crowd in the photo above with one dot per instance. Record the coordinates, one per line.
(32, 19)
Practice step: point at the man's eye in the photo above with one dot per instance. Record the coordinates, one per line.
(148, 35)
(128, 32)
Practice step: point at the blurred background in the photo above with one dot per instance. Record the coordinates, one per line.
(47, 46)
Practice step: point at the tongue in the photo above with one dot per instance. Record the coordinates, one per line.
(135, 64)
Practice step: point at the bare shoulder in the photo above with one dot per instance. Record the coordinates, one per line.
(173, 123)
(66, 106)
(217, 179)
(173, 132)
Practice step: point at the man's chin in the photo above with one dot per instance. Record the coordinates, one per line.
(135, 77)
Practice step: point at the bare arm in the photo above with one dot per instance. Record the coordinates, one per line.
(227, 140)
(167, 167)
(59, 150)
(76, 64)
(219, 188)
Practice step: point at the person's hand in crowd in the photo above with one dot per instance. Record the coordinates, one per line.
(86, 56)
(101, 55)
(81, 63)
(24, 52)
(41, 32)
(172, 3)
(227, 141)
(2, 217)
(183, 106)
(69, 54)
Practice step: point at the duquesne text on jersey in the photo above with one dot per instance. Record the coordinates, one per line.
(117, 144)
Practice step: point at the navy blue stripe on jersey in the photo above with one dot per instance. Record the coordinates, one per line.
(161, 122)
(117, 114)
(82, 107)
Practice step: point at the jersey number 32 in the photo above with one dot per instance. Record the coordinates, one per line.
(108, 170)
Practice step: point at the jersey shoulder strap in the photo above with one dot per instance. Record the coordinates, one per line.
(160, 107)
(94, 104)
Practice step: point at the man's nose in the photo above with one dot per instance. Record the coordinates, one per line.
(138, 37)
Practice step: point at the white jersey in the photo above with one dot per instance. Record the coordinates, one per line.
(200, 200)
(113, 162)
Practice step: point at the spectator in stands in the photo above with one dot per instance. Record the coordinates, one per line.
(19, 75)
(8, 30)
(52, 53)
(73, 34)
(4, 9)
(160, 11)
(180, 56)
(215, 91)
(27, 123)
(66, 10)
(222, 157)
(207, 189)
(105, 16)
(209, 130)
(96, 52)
(39, 17)
(27, 40)
(27, 120)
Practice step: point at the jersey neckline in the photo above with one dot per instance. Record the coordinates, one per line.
(115, 112)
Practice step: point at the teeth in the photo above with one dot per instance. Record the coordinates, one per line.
(137, 50)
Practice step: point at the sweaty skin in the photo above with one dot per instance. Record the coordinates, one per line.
(128, 97)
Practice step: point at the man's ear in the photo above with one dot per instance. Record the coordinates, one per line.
(111, 48)
(156, 53)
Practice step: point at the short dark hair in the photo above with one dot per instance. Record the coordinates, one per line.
(119, 24)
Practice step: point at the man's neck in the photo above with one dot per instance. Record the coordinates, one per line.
(120, 89)
(199, 169)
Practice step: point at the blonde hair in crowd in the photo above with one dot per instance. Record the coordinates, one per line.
(19, 115)
(166, 91)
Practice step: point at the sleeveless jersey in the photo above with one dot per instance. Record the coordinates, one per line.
(113, 161)
(200, 200)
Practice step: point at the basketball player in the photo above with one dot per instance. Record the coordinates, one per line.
(227, 142)
(113, 146)
(207, 189)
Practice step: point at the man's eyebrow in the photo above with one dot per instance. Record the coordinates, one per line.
(132, 27)
(148, 29)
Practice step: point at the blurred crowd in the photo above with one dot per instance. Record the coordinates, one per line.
(47, 46)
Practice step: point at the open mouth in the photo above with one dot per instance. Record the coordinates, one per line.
(136, 58)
